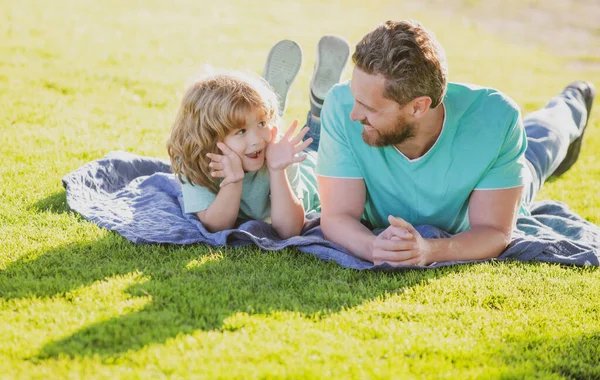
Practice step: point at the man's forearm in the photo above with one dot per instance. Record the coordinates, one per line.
(349, 233)
(480, 242)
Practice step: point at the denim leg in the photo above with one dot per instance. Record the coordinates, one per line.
(549, 131)
(314, 131)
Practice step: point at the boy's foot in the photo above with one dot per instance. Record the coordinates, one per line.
(333, 53)
(586, 92)
(282, 66)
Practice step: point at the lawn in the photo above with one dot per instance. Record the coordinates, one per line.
(81, 78)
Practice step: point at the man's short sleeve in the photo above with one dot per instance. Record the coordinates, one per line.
(335, 158)
(510, 168)
(196, 198)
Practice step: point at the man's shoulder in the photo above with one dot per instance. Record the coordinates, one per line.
(341, 94)
(486, 99)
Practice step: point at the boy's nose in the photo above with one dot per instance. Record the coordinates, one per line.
(258, 138)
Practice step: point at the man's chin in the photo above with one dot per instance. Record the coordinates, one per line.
(371, 139)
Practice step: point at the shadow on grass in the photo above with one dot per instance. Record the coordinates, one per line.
(56, 203)
(193, 287)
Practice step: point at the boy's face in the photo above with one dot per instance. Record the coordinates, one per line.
(250, 141)
(384, 120)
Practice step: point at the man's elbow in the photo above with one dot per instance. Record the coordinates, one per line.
(329, 224)
(504, 237)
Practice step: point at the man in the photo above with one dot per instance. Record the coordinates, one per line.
(401, 147)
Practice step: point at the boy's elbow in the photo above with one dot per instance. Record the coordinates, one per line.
(289, 233)
(217, 227)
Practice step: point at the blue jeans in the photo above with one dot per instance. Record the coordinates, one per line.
(314, 131)
(549, 131)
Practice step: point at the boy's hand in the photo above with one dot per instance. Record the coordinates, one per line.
(281, 154)
(227, 166)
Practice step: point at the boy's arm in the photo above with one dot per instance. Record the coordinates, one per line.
(223, 211)
(287, 212)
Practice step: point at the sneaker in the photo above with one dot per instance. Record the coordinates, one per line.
(587, 92)
(333, 53)
(282, 66)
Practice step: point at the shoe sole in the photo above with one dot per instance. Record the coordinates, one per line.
(575, 147)
(281, 68)
(333, 53)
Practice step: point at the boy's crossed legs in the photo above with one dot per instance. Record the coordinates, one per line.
(282, 66)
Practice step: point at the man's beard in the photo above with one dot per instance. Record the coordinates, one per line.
(399, 133)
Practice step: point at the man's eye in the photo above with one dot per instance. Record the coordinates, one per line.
(240, 132)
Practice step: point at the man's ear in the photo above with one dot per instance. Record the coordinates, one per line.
(420, 106)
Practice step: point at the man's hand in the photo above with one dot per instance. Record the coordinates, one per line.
(400, 245)
(227, 166)
(281, 154)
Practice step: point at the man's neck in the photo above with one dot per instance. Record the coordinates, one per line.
(427, 132)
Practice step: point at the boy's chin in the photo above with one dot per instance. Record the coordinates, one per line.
(253, 167)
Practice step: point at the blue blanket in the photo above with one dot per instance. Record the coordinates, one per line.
(141, 199)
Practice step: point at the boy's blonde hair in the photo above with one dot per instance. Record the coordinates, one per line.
(211, 108)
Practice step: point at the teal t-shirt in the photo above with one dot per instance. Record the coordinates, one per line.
(256, 191)
(481, 147)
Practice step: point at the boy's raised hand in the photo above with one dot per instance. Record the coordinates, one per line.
(227, 166)
(281, 154)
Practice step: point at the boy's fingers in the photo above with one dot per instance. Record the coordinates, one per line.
(299, 158)
(224, 148)
(218, 173)
(214, 157)
(304, 145)
(290, 132)
(300, 136)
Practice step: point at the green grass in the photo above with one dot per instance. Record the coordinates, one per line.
(81, 78)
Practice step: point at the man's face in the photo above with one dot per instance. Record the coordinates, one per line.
(384, 122)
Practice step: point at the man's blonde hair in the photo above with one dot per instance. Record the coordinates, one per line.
(211, 108)
(409, 58)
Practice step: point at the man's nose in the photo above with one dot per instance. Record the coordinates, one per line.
(354, 114)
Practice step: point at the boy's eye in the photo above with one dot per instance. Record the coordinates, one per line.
(262, 124)
(240, 132)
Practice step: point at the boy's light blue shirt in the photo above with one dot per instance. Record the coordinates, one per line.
(255, 203)
(481, 147)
